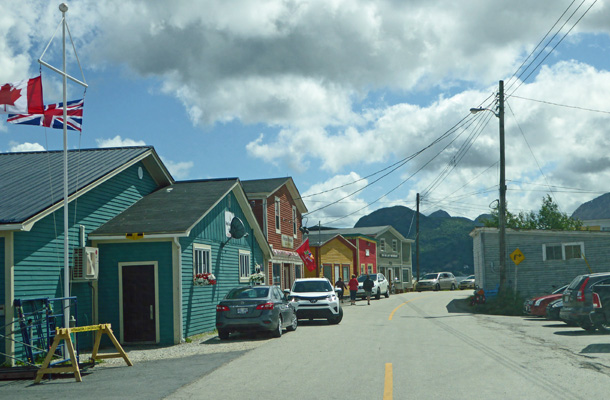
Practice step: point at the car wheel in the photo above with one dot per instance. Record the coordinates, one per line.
(337, 318)
(378, 295)
(603, 327)
(588, 327)
(437, 287)
(387, 293)
(293, 326)
(453, 286)
(223, 334)
(278, 332)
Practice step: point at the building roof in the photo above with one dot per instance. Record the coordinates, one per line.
(316, 240)
(32, 182)
(174, 209)
(372, 231)
(263, 188)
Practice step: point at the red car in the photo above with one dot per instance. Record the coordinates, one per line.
(537, 306)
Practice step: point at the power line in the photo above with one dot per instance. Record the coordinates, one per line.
(561, 105)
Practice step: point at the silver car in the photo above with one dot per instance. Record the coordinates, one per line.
(255, 308)
(437, 281)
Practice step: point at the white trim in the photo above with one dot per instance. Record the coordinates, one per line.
(244, 279)
(155, 265)
(579, 244)
(207, 249)
(295, 229)
(177, 292)
(277, 215)
(152, 236)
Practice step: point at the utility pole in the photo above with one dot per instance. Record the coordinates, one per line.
(417, 238)
(502, 210)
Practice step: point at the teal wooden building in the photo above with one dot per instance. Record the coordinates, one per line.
(142, 236)
(151, 253)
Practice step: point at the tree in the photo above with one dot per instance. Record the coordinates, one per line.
(548, 218)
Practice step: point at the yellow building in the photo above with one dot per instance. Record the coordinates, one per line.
(335, 257)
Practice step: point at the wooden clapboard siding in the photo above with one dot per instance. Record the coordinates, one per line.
(38, 254)
(199, 302)
(111, 254)
(286, 204)
(2, 300)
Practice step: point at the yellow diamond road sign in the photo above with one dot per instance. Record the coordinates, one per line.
(517, 256)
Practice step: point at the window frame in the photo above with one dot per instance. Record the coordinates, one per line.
(395, 245)
(294, 222)
(278, 218)
(563, 246)
(382, 244)
(205, 249)
(244, 270)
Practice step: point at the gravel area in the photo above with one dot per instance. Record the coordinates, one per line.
(207, 343)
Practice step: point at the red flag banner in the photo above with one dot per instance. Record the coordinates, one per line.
(23, 97)
(306, 255)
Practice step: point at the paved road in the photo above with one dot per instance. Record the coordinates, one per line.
(414, 345)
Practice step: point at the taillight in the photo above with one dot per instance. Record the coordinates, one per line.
(597, 303)
(265, 306)
(220, 308)
(580, 295)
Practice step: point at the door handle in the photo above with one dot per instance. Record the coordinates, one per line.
(151, 313)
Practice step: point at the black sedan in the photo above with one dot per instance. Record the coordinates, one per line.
(255, 308)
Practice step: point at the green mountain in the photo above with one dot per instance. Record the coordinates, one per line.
(444, 241)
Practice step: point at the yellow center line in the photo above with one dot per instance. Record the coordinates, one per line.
(394, 310)
(388, 389)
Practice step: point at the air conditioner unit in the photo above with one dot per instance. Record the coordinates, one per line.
(86, 263)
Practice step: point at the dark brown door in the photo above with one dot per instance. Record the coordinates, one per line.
(139, 303)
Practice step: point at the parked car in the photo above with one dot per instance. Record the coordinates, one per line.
(255, 308)
(467, 283)
(600, 316)
(437, 281)
(537, 306)
(553, 309)
(578, 299)
(381, 285)
(315, 298)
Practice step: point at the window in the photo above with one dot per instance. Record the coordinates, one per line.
(297, 271)
(278, 226)
(382, 244)
(244, 265)
(294, 221)
(202, 259)
(394, 245)
(564, 251)
(573, 250)
(277, 271)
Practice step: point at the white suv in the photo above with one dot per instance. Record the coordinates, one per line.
(381, 286)
(315, 298)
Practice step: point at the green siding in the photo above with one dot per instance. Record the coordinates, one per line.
(199, 302)
(110, 257)
(38, 253)
(2, 351)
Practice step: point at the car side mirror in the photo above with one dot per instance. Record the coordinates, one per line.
(286, 292)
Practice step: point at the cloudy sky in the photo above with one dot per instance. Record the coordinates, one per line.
(363, 103)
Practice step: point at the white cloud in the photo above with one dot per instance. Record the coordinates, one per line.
(19, 147)
(117, 141)
(179, 170)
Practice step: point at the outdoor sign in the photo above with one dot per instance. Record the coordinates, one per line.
(517, 256)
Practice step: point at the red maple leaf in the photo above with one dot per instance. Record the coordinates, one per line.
(8, 95)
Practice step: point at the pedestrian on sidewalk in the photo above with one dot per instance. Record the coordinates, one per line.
(353, 289)
(342, 288)
(367, 285)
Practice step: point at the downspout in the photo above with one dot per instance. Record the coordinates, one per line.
(179, 280)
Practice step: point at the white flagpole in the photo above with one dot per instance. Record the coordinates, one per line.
(63, 7)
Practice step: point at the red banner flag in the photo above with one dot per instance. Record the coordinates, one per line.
(306, 256)
(23, 97)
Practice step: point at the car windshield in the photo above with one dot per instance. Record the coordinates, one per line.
(430, 276)
(560, 290)
(248, 293)
(312, 286)
(362, 278)
(471, 277)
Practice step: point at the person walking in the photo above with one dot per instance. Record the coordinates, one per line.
(353, 289)
(367, 285)
(341, 285)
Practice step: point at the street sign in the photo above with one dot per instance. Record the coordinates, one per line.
(517, 256)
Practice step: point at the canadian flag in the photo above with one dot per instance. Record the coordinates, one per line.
(24, 97)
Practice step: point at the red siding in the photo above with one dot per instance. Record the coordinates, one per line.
(286, 203)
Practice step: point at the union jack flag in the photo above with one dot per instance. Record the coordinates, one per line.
(53, 116)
